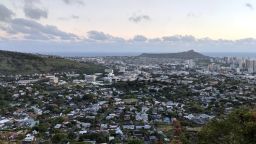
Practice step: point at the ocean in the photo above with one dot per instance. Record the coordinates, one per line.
(92, 54)
(231, 54)
(102, 54)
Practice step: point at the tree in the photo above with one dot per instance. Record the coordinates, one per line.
(42, 127)
(177, 132)
(239, 127)
(135, 141)
(59, 138)
(71, 135)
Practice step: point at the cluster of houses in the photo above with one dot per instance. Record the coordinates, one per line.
(134, 98)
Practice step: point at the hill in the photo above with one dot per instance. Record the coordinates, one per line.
(181, 55)
(23, 63)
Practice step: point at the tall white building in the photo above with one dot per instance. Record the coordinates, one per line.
(191, 63)
(250, 66)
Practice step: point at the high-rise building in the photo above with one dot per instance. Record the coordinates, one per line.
(254, 66)
(191, 63)
(249, 66)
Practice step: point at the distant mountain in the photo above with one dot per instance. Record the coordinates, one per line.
(23, 63)
(191, 54)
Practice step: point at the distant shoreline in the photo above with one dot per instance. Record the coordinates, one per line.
(231, 54)
(101, 54)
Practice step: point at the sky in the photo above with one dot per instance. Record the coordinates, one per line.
(46, 26)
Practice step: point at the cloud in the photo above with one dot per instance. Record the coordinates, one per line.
(179, 38)
(250, 6)
(193, 15)
(95, 35)
(139, 18)
(32, 2)
(32, 11)
(36, 31)
(79, 2)
(5, 13)
(190, 14)
(30, 29)
(74, 17)
(80, 47)
(100, 42)
(139, 38)
(35, 13)
(155, 40)
(100, 36)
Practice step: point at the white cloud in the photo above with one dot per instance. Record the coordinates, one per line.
(139, 38)
(30, 29)
(33, 30)
(79, 2)
(179, 38)
(139, 18)
(75, 17)
(31, 10)
(249, 5)
(35, 13)
(5, 13)
(101, 36)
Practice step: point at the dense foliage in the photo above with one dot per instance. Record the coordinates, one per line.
(238, 128)
(5, 98)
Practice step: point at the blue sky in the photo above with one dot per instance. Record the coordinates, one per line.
(128, 25)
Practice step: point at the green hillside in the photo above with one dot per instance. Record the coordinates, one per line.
(23, 63)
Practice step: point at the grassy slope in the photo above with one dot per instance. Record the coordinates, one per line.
(21, 63)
